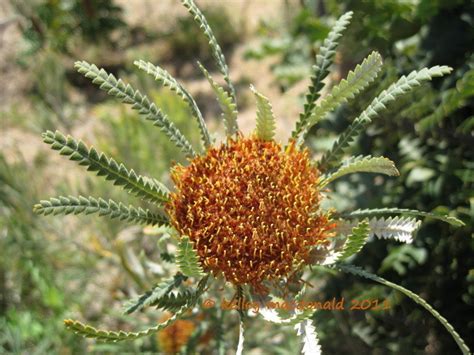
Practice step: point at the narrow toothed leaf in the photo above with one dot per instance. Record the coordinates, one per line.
(88, 331)
(187, 258)
(114, 336)
(397, 211)
(215, 48)
(362, 273)
(104, 166)
(265, 119)
(164, 78)
(139, 102)
(227, 105)
(321, 71)
(71, 204)
(398, 228)
(159, 295)
(307, 332)
(404, 85)
(346, 89)
(355, 241)
(363, 164)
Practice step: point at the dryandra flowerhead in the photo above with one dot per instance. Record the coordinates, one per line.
(251, 209)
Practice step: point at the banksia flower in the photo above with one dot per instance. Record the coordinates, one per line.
(175, 336)
(248, 208)
(251, 208)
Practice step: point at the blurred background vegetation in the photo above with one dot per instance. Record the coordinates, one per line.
(56, 268)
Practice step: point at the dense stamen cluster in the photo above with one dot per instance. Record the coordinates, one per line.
(250, 208)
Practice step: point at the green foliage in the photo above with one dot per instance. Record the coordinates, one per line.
(139, 102)
(321, 71)
(169, 295)
(401, 87)
(112, 336)
(215, 48)
(365, 164)
(185, 41)
(452, 100)
(164, 78)
(346, 89)
(161, 296)
(402, 258)
(226, 104)
(265, 118)
(359, 272)
(121, 133)
(148, 189)
(88, 331)
(398, 228)
(355, 241)
(31, 284)
(57, 24)
(88, 205)
(403, 211)
(187, 258)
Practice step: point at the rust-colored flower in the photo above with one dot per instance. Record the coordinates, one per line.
(173, 337)
(251, 209)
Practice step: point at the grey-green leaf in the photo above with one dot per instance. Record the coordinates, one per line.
(360, 272)
(165, 78)
(147, 188)
(356, 81)
(404, 85)
(141, 103)
(187, 258)
(226, 103)
(391, 211)
(321, 70)
(265, 118)
(365, 164)
(215, 48)
(87, 205)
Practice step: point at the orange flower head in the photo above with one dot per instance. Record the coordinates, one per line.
(173, 337)
(251, 209)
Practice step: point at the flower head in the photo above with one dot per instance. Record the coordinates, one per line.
(250, 207)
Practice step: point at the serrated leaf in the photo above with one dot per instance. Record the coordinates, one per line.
(126, 94)
(115, 336)
(307, 332)
(66, 205)
(187, 258)
(321, 71)
(360, 272)
(398, 228)
(138, 185)
(265, 119)
(153, 296)
(404, 85)
(366, 164)
(357, 236)
(215, 48)
(346, 89)
(226, 103)
(387, 211)
(163, 77)
(88, 331)
(356, 240)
